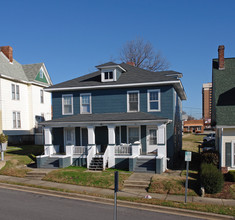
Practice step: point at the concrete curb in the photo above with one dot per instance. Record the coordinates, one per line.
(88, 198)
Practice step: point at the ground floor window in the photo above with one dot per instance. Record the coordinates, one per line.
(16, 120)
(133, 134)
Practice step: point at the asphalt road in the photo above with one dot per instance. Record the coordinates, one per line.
(24, 205)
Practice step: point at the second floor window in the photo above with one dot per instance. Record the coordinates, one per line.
(133, 101)
(16, 120)
(15, 91)
(85, 102)
(67, 104)
(153, 100)
(41, 96)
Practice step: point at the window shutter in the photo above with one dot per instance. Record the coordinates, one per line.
(161, 135)
(228, 148)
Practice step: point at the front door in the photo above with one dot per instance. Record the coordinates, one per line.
(69, 136)
(151, 139)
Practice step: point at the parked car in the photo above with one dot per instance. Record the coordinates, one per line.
(210, 136)
(208, 145)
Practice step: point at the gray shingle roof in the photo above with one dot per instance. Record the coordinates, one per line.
(133, 75)
(13, 70)
(107, 117)
(107, 64)
(31, 70)
(17, 71)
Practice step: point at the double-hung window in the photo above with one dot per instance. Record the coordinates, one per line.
(108, 75)
(15, 91)
(16, 120)
(67, 104)
(133, 135)
(154, 100)
(41, 96)
(85, 103)
(133, 101)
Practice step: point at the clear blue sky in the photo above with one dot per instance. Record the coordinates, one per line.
(72, 36)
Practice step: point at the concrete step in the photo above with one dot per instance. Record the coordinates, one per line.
(136, 182)
(131, 186)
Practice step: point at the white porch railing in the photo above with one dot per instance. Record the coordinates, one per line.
(123, 149)
(91, 151)
(80, 150)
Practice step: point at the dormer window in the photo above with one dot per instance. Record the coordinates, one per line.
(108, 75)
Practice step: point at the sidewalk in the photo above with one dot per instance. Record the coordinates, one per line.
(108, 192)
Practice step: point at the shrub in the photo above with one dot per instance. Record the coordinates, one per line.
(3, 138)
(230, 176)
(211, 178)
(210, 157)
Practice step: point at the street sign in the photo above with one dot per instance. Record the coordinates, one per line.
(188, 156)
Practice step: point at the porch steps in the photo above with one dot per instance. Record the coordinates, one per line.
(51, 163)
(145, 165)
(96, 164)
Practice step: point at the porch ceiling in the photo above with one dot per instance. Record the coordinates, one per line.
(107, 118)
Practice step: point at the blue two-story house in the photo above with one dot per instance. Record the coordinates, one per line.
(120, 116)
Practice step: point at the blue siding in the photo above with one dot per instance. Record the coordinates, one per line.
(115, 100)
(143, 138)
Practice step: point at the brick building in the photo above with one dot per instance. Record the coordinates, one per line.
(207, 103)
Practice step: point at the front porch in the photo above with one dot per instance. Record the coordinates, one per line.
(100, 145)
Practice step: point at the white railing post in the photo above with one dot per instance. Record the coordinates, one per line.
(136, 148)
(105, 157)
(91, 151)
(111, 156)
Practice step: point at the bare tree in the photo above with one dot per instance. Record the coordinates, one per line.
(142, 54)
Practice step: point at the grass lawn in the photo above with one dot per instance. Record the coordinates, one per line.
(191, 142)
(17, 159)
(81, 176)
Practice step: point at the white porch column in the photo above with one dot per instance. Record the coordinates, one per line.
(48, 135)
(111, 132)
(91, 135)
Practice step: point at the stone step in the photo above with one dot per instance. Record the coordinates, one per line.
(96, 169)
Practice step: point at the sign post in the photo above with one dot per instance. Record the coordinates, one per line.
(115, 194)
(188, 157)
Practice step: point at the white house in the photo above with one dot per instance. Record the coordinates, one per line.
(23, 101)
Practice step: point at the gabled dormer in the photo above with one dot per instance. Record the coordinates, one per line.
(110, 71)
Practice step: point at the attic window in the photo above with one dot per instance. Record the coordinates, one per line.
(108, 75)
(41, 73)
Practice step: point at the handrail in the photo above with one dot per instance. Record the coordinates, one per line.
(91, 153)
(105, 157)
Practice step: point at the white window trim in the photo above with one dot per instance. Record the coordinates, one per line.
(128, 132)
(17, 126)
(133, 91)
(232, 154)
(148, 134)
(15, 92)
(108, 80)
(71, 95)
(159, 100)
(81, 103)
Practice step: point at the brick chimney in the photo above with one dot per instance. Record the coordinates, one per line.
(131, 63)
(8, 52)
(221, 57)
